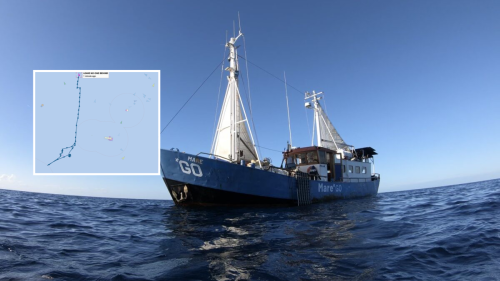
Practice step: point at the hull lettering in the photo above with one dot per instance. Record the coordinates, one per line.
(192, 168)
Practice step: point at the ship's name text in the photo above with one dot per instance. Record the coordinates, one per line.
(195, 160)
(329, 188)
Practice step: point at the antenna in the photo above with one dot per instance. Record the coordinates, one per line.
(234, 30)
(239, 22)
(288, 110)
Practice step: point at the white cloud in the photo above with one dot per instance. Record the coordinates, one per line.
(7, 177)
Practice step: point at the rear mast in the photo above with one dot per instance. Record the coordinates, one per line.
(318, 118)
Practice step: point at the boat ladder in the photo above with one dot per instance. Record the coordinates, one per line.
(303, 189)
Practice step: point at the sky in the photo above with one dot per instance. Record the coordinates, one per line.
(419, 81)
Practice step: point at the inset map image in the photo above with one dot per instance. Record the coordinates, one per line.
(96, 122)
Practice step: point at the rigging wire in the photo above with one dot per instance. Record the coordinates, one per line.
(213, 71)
(247, 94)
(218, 96)
(249, 97)
(248, 78)
(288, 110)
(301, 92)
(269, 148)
(249, 100)
(307, 118)
(324, 102)
(251, 115)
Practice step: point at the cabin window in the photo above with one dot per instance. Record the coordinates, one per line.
(312, 157)
(306, 158)
(350, 169)
(357, 169)
(363, 170)
(301, 158)
(322, 157)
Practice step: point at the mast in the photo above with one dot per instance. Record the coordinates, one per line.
(233, 140)
(326, 134)
(316, 117)
(233, 83)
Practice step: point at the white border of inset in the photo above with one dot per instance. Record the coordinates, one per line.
(97, 174)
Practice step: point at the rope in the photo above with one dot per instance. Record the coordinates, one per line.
(324, 102)
(288, 110)
(192, 96)
(248, 78)
(218, 96)
(249, 99)
(307, 118)
(251, 116)
(301, 92)
(269, 148)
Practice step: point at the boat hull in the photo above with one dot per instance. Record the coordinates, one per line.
(200, 195)
(194, 180)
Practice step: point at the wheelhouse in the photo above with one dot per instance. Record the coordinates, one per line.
(329, 165)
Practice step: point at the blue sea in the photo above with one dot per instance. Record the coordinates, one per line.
(443, 233)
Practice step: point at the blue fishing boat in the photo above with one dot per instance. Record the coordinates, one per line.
(234, 174)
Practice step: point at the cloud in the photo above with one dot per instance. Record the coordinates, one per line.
(7, 178)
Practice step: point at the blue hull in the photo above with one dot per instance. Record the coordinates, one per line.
(194, 180)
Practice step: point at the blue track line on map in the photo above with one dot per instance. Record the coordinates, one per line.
(76, 129)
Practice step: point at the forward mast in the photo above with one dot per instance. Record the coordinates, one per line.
(234, 139)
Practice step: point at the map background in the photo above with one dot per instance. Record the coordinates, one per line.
(55, 122)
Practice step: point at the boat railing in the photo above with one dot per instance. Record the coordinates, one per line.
(211, 154)
(269, 168)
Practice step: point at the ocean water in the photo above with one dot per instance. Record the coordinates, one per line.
(444, 233)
